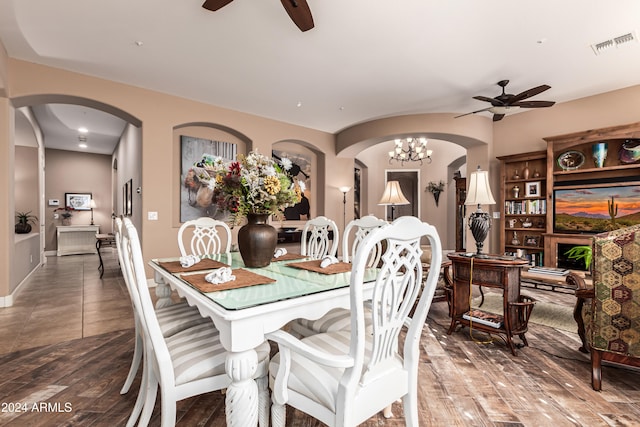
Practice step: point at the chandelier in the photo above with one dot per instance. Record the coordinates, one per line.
(410, 150)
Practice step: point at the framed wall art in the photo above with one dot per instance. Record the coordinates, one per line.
(195, 194)
(127, 198)
(78, 201)
(532, 189)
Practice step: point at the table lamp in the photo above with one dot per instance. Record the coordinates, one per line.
(393, 196)
(479, 194)
(92, 205)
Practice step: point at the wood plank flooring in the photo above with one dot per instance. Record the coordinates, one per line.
(67, 344)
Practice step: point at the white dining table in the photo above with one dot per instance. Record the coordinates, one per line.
(244, 316)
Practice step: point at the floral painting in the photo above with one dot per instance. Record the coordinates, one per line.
(195, 196)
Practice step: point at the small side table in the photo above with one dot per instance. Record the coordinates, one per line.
(104, 240)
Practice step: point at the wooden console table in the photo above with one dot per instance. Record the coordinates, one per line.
(492, 272)
(77, 239)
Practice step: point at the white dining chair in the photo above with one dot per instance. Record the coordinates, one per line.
(189, 363)
(342, 378)
(339, 318)
(316, 239)
(173, 318)
(207, 236)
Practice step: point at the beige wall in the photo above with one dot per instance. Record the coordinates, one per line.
(160, 114)
(74, 172)
(27, 191)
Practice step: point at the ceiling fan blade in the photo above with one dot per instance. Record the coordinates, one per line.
(214, 5)
(493, 101)
(533, 104)
(528, 93)
(473, 112)
(299, 13)
(497, 117)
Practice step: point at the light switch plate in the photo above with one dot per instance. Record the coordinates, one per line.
(54, 202)
(496, 215)
(152, 216)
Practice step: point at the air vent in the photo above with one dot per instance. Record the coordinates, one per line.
(624, 39)
(82, 138)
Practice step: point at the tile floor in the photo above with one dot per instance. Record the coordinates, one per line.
(64, 300)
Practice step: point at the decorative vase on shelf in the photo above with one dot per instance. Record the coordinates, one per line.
(525, 171)
(257, 241)
(599, 153)
(516, 191)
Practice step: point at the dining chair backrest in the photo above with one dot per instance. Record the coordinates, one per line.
(360, 228)
(208, 236)
(362, 370)
(320, 237)
(189, 363)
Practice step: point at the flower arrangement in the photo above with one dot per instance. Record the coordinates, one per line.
(253, 184)
(67, 212)
(436, 187)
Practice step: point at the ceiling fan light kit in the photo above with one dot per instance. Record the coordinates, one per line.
(506, 102)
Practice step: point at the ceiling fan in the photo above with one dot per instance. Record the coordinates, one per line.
(506, 102)
(298, 11)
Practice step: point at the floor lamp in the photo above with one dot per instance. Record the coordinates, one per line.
(344, 191)
(393, 196)
(92, 205)
(479, 194)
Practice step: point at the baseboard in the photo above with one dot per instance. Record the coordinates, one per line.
(7, 301)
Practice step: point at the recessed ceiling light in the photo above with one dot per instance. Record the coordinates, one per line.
(83, 129)
(139, 43)
(82, 145)
(299, 104)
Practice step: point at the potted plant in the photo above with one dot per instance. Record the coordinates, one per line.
(24, 221)
(581, 252)
(67, 213)
(435, 189)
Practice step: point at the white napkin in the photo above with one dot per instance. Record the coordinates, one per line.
(279, 252)
(220, 275)
(328, 260)
(189, 260)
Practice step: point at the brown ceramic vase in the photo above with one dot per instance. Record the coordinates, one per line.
(257, 241)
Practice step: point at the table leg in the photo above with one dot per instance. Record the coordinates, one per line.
(101, 266)
(241, 402)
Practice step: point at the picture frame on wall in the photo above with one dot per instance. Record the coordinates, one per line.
(532, 189)
(127, 196)
(78, 201)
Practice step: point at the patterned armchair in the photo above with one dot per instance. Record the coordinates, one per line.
(608, 313)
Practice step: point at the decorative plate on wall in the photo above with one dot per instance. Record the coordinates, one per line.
(570, 160)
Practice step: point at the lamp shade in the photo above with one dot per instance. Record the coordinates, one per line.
(92, 204)
(393, 195)
(479, 190)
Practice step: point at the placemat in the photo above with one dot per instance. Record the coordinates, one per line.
(314, 265)
(243, 278)
(288, 257)
(204, 264)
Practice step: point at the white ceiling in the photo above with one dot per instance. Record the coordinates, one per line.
(363, 60)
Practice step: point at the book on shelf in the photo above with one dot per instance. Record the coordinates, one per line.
(484, 318)
(549, 270)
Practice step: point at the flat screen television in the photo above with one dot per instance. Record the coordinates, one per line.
(585, 209)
